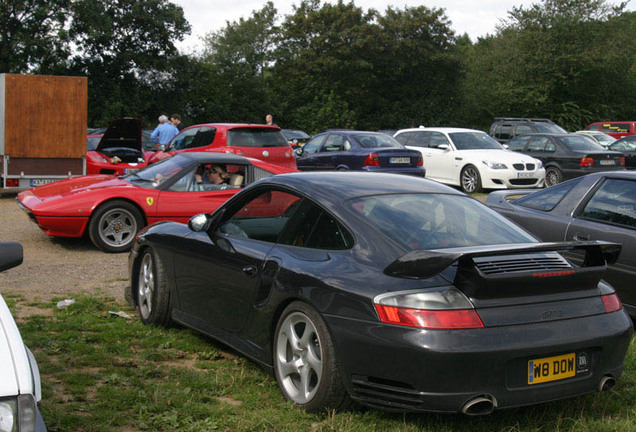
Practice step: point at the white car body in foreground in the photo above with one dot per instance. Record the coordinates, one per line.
(471, 159)
(20, 389)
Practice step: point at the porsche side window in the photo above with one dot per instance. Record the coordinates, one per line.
(614, 202)
(315, 228)
(547, 199)
(261, 218)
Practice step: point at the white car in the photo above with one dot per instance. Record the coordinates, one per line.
(471, 159)
(20, 390)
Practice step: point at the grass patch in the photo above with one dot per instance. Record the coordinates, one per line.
(103, 372)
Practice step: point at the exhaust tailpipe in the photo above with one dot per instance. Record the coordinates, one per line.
(480, 405)
(607, 383)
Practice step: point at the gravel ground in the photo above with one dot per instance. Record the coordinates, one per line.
(56, 267)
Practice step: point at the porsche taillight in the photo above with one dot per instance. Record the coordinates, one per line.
(447, 308)
(612, 303)
(372, 160)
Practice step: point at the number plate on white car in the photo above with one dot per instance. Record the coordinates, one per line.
(525, 175)
(399, 160)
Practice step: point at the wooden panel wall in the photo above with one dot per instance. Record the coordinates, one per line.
(45, 116)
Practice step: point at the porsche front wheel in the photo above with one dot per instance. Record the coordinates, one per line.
(304, 361)
(153, 292)
(114, 225)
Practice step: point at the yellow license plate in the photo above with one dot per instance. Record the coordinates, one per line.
(551, 368)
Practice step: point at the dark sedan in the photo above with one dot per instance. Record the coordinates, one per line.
(395, 291)
(358, 150)
(566, 156)
(627, 146)
(600, 206)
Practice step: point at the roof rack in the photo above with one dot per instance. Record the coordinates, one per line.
(523, 119)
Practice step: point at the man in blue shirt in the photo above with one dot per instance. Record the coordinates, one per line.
(163, 133)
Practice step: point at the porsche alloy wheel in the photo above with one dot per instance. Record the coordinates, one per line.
(153, 292)
(553, 176)
(304, 361)
(114, 225)
(470, 180)
(146, 286)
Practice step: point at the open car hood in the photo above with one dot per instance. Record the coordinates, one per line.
(122, 133)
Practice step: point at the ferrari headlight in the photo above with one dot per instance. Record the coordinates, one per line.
(494, 165)
(98, 158)
(17, 414)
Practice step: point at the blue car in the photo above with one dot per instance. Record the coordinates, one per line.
(358, 150)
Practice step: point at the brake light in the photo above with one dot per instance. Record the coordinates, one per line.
(13, 182)
(372, 160)
(432, 319)
(587, 162)
(443, 308)
(420, 161)
(612, 303)
(622, 161)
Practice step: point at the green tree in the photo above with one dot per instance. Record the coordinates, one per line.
(32, 35)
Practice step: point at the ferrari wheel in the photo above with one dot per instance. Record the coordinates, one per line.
(553, 176)
(153, 292)
(470, 180)
(114, 225)
(304, 361)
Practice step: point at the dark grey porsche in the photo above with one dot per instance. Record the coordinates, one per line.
(396, 292)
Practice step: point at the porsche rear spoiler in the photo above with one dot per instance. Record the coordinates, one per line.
(423, 264)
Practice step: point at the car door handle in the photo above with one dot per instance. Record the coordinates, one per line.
(581, 237)
(249, 271)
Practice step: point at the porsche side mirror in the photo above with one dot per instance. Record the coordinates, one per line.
(200, 222)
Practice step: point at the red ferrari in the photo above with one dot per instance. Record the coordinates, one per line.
(113, 209)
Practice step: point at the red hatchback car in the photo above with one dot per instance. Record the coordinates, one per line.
(617, 129)
(263, 142)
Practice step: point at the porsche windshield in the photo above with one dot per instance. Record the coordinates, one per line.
(474, 141)
(437, 221)
(155, 175)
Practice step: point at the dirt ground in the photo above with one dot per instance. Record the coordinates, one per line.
(56, 267)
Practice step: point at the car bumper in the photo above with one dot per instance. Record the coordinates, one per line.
(405, 369)
(416, 171)
(511, 179)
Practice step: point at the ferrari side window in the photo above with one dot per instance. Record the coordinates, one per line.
(614, 202)
(263, 217)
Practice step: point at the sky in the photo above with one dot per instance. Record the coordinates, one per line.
(475, 17)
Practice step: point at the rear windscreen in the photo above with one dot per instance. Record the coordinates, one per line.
(256, 137)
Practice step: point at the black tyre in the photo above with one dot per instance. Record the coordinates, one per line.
(153, 291)
(114, 225)
(553, 176)
(470, 179)
(304, 361)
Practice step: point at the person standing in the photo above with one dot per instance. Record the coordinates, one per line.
(175, 119)
(269, 120)
(163, 133)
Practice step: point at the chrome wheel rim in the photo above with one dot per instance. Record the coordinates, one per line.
(299, 358)
(470, 180)
(551, 178)
(146, 286)
(117, 227)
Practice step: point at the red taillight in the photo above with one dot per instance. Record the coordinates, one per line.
(420, 161)
(554, 274)
(587, 162)
(612, 303)
(13, 182)
(622, 162)
(432, 319)
(372, 160)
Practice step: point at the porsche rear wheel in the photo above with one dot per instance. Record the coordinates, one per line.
(153, 292)
(304, 361)
(114, 225)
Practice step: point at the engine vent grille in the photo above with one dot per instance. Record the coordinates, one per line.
(386, 394)
(522, 263)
